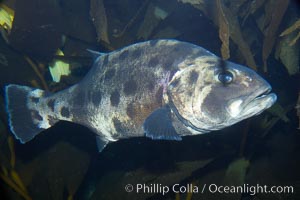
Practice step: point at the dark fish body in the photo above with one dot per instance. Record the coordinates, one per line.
(163, 89)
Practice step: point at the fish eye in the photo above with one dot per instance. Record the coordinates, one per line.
(225, 77)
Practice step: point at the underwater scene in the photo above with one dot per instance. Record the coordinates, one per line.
(149, 100)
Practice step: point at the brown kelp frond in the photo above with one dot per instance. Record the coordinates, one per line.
(189, 194)
(132, 20)
(38, 73)
(10, 176)
(276, 13)
(295, 26)
(16, 178)
(12, 151)
(237, 37)
(223, 30)
(98, 16)
(292, 28)
(14, 186)
(227, 20)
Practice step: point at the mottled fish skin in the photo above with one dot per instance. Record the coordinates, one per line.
(128, 91)
(124, 87)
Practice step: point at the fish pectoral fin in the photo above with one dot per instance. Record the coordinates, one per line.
(101, 143)
(158, 125)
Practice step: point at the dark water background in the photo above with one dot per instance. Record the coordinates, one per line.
(63, 163)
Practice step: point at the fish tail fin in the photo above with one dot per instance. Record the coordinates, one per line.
(24, 108)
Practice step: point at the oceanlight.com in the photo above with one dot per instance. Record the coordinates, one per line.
(157, 188)
(250, 189)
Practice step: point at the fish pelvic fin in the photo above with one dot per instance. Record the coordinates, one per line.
(23, 105)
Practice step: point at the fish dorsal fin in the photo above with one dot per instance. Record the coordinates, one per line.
(158, 125)
(96, 54)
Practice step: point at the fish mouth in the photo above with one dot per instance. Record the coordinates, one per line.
(261, 101)
(264, 93)
(247, 106)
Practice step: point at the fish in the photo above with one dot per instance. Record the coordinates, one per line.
(162, 89)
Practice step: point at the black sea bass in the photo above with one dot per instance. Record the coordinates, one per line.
(162, 89)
